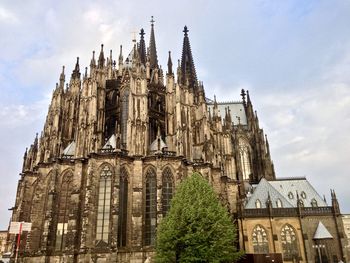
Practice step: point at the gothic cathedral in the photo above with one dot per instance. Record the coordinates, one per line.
(118, 139)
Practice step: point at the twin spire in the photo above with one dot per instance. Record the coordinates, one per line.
(187, 69)
(153, 59)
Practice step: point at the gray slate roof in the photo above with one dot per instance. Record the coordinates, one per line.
(286, 190)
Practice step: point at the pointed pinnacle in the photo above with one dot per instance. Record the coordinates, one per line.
(170, 64)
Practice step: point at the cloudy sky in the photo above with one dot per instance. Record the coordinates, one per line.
(293, 57)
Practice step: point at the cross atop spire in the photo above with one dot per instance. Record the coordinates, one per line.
(188, 70)
(142, 47)
(185, 31)
(153, 59)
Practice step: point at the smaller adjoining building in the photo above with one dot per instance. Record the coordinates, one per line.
(288, 216)
(346, 223)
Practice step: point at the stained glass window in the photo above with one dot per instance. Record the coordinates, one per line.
(123, 207)
(151, 207)
(63, 211)
(260, 240)
(245, 161)
(289, 243)
(104, 205)
(167, 189)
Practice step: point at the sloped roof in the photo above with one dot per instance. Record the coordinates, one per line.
(298, 186)
(261, 192)
(286, 191)
(111, 143)
(154, 145)
(322, 232)
(70, 149)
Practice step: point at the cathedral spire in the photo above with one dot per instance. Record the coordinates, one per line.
(93, 61)
(188, 71)
(101, 58)
(170, 64)
(152, 48)
(142, 47)
(76, 71)
(62, 78)
(267, 145)
(111, 57)
(121, 55)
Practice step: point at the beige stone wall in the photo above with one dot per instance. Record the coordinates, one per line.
(273, 227)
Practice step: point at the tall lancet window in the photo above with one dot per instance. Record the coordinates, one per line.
(104, 205)
(167, 190)
(63, 211)
(151, 207)
(39, 205)
(123, 207)
(259, 240)
(289, 242)
(124, 116)
(245, 159)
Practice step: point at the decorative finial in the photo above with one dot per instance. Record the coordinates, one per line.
(243, 94)
(152, 21)
(185, 31)
(142, 33)
(170, 64)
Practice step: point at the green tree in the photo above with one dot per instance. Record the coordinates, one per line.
(197, 227)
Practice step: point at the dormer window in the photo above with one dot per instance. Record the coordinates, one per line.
(257, 203)
(314, 203)
(303, 195)
(279, 203)
(290, 195)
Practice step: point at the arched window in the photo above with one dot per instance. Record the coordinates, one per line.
(123, 207)
(290, 195)
(39, 206)
(244, 154)
(167, 189)
(104, 205)
(279, 203)
(63, 211)
(303, 195)
(151, 207)
(289, 242)
(260, 241)
(257, 203)
(314, 202)
(124, 115)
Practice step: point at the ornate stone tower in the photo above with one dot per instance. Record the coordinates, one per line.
(116, 142)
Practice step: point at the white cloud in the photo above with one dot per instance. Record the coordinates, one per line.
(7, 17)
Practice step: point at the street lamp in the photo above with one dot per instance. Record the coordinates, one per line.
(318, 247)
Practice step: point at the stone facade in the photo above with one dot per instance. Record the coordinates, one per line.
(293, 231)
(116, 143)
